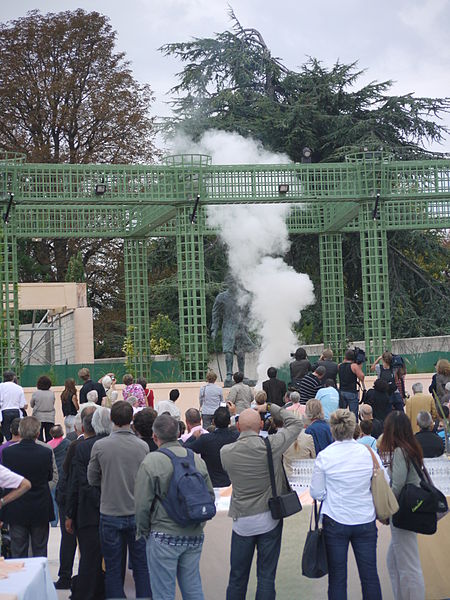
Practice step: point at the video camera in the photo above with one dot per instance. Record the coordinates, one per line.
(360, 355)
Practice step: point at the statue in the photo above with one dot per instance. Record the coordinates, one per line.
(235, 338)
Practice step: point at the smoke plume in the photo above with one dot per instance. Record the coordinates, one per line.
(256, 238)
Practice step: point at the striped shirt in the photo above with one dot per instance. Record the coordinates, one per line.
(308, 387)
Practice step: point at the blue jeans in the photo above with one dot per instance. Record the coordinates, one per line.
(364, 543)
(268, 551)
(175, 557)
(115, 533)
(350, 400)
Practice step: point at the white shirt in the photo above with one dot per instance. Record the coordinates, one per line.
(11, 396)
(341, 478)
(9, 479)
(168, 406)
(254, 524)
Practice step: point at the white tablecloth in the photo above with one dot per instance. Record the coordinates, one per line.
(31, 583)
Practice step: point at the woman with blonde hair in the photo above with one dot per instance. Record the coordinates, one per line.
(341, 479)
(318, 428)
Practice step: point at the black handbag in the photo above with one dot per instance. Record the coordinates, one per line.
(287, 504)
(314, 558)
(419, 505)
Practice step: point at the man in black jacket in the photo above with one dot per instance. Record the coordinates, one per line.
(208, 446)
(89, 385)
(83, 509)
(432, 444)
(29, 516)
(274, 388)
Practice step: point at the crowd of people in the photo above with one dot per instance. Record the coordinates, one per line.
(115, 478)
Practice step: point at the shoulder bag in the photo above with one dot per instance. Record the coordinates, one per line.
(419, 505)
(384, 498)
(314, 558)
(286, 504)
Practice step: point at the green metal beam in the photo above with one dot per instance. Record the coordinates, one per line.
(332, 290)
(9, 302)
(135, 202)
(375, 283)
(191, 295)
(137, 306)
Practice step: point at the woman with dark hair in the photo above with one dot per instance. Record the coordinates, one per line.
(43, 405)
(69, 404)
(400, 451)
(378, 398)
(385, 372)
(149, 396)
(300, 366)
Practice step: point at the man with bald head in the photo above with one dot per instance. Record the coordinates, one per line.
(245, 461)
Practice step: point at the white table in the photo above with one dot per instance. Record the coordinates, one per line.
(33, 582)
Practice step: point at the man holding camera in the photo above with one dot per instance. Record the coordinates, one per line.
(246, 463)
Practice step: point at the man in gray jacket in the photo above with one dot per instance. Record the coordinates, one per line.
(246, 464)
(173, 551)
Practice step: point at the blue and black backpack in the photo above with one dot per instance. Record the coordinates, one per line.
(188, 501)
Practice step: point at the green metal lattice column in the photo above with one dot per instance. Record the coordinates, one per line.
(332, 289)
(137, 305)
(9, 318)
(191, 295)
(375, 282)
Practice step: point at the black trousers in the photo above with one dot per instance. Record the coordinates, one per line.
(67, 548)
(22, 535)
(90, 581)
(45, 427)
(8, 416)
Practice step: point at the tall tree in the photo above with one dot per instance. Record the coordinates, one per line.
(67, 95)
(232, 82)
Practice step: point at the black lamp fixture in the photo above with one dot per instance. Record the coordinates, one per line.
(100, 189)
(306, 155)
(283, 188)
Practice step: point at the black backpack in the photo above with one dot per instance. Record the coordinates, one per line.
(397, 361)
(188, 501)
(387, 375)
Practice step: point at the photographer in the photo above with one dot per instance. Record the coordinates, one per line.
(299, 367)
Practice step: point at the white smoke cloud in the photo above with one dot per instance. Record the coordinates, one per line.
(256, 238)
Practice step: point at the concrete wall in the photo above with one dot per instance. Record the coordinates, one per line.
(410, 346)
(68, 338)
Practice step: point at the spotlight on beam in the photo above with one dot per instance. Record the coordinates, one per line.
(100, 189)
(283, 188)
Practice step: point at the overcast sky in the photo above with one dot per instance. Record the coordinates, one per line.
(403, 40)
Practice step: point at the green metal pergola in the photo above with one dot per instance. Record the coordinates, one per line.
(136, 202)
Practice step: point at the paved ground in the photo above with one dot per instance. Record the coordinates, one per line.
(290, 583)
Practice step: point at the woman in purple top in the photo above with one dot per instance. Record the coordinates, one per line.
(133, 389)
